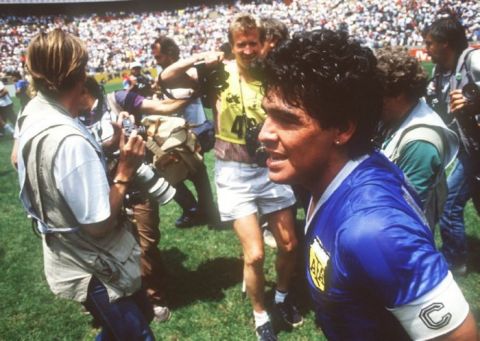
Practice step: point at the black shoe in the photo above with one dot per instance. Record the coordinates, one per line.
(186, 220)
(265, 332)
(289, 313)
(190, 219)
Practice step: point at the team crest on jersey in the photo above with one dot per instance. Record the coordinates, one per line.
(318, 260)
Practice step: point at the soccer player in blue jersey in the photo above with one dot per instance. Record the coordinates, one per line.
(372, 267)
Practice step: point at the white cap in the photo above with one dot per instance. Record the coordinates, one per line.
(135, 64)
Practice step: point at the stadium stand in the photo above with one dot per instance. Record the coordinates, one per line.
(115, 39)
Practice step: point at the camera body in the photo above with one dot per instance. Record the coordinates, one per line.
(467, 120)
(211, 79)
(129, 126)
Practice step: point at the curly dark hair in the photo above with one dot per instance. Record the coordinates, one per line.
(333, 78)
(402, 73)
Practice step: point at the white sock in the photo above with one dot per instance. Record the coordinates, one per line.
(260, 318)
(280, 296)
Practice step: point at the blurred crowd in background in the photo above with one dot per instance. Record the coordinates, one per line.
(117, 39)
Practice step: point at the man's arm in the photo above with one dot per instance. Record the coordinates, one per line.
(3, 91)
(181, 75)
(467, 331)
(162, 107)
(131, 155)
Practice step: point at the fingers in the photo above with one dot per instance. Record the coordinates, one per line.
(121, 116)
(457, 100)
(135, 144)
(213, 58)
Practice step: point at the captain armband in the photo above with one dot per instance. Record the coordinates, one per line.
(436, 313)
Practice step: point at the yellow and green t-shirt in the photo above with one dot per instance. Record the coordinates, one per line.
(230, 129)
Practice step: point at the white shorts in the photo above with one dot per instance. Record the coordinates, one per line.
(244, 189)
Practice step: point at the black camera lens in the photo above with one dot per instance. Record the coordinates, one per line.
(471, 92)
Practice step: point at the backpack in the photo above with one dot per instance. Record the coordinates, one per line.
(174, 146)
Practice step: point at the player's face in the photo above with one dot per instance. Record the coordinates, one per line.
(246, 47)
(301, 152)
(435, 50)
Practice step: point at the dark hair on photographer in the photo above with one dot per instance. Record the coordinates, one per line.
(275, 30)
(332, 78)
(56, 62)
(401, 73)
(168, 47)
(93, 88)
(448, 29)
(245, 22)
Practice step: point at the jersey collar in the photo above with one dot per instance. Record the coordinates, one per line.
(332, 187)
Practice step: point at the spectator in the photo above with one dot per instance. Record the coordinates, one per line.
(414, 136)
(21, 89)
(139, 82)
(90, 255)
(243, 188)
(447, 45)
(372, 267)
(117, 38)
(7, 115)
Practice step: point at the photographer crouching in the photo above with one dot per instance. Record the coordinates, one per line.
(90, 254)
(148, 190)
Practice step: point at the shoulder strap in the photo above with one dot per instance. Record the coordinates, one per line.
(464, 64)
(419, 133)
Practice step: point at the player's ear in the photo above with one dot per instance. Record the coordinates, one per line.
(345, 133)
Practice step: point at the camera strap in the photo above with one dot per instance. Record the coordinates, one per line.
(463, 64)
(248, 122)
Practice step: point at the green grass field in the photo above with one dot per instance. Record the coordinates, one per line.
(204, 289)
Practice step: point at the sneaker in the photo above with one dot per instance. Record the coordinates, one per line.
(289, 313)
(265, 332)
(269, 239)
(161, 314)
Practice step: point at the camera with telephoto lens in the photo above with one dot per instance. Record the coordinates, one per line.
(147, 180)
(467, 120)
(210, 78)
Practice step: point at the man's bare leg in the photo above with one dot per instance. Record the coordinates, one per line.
(249, 233)
(282, 226)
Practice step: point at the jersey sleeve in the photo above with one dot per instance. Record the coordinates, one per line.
(420, 161)
(399, 263)
(391, 253)
(82, 181)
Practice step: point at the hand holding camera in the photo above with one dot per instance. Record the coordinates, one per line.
(132, 154)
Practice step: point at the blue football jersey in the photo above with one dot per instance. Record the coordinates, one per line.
(368, 248)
